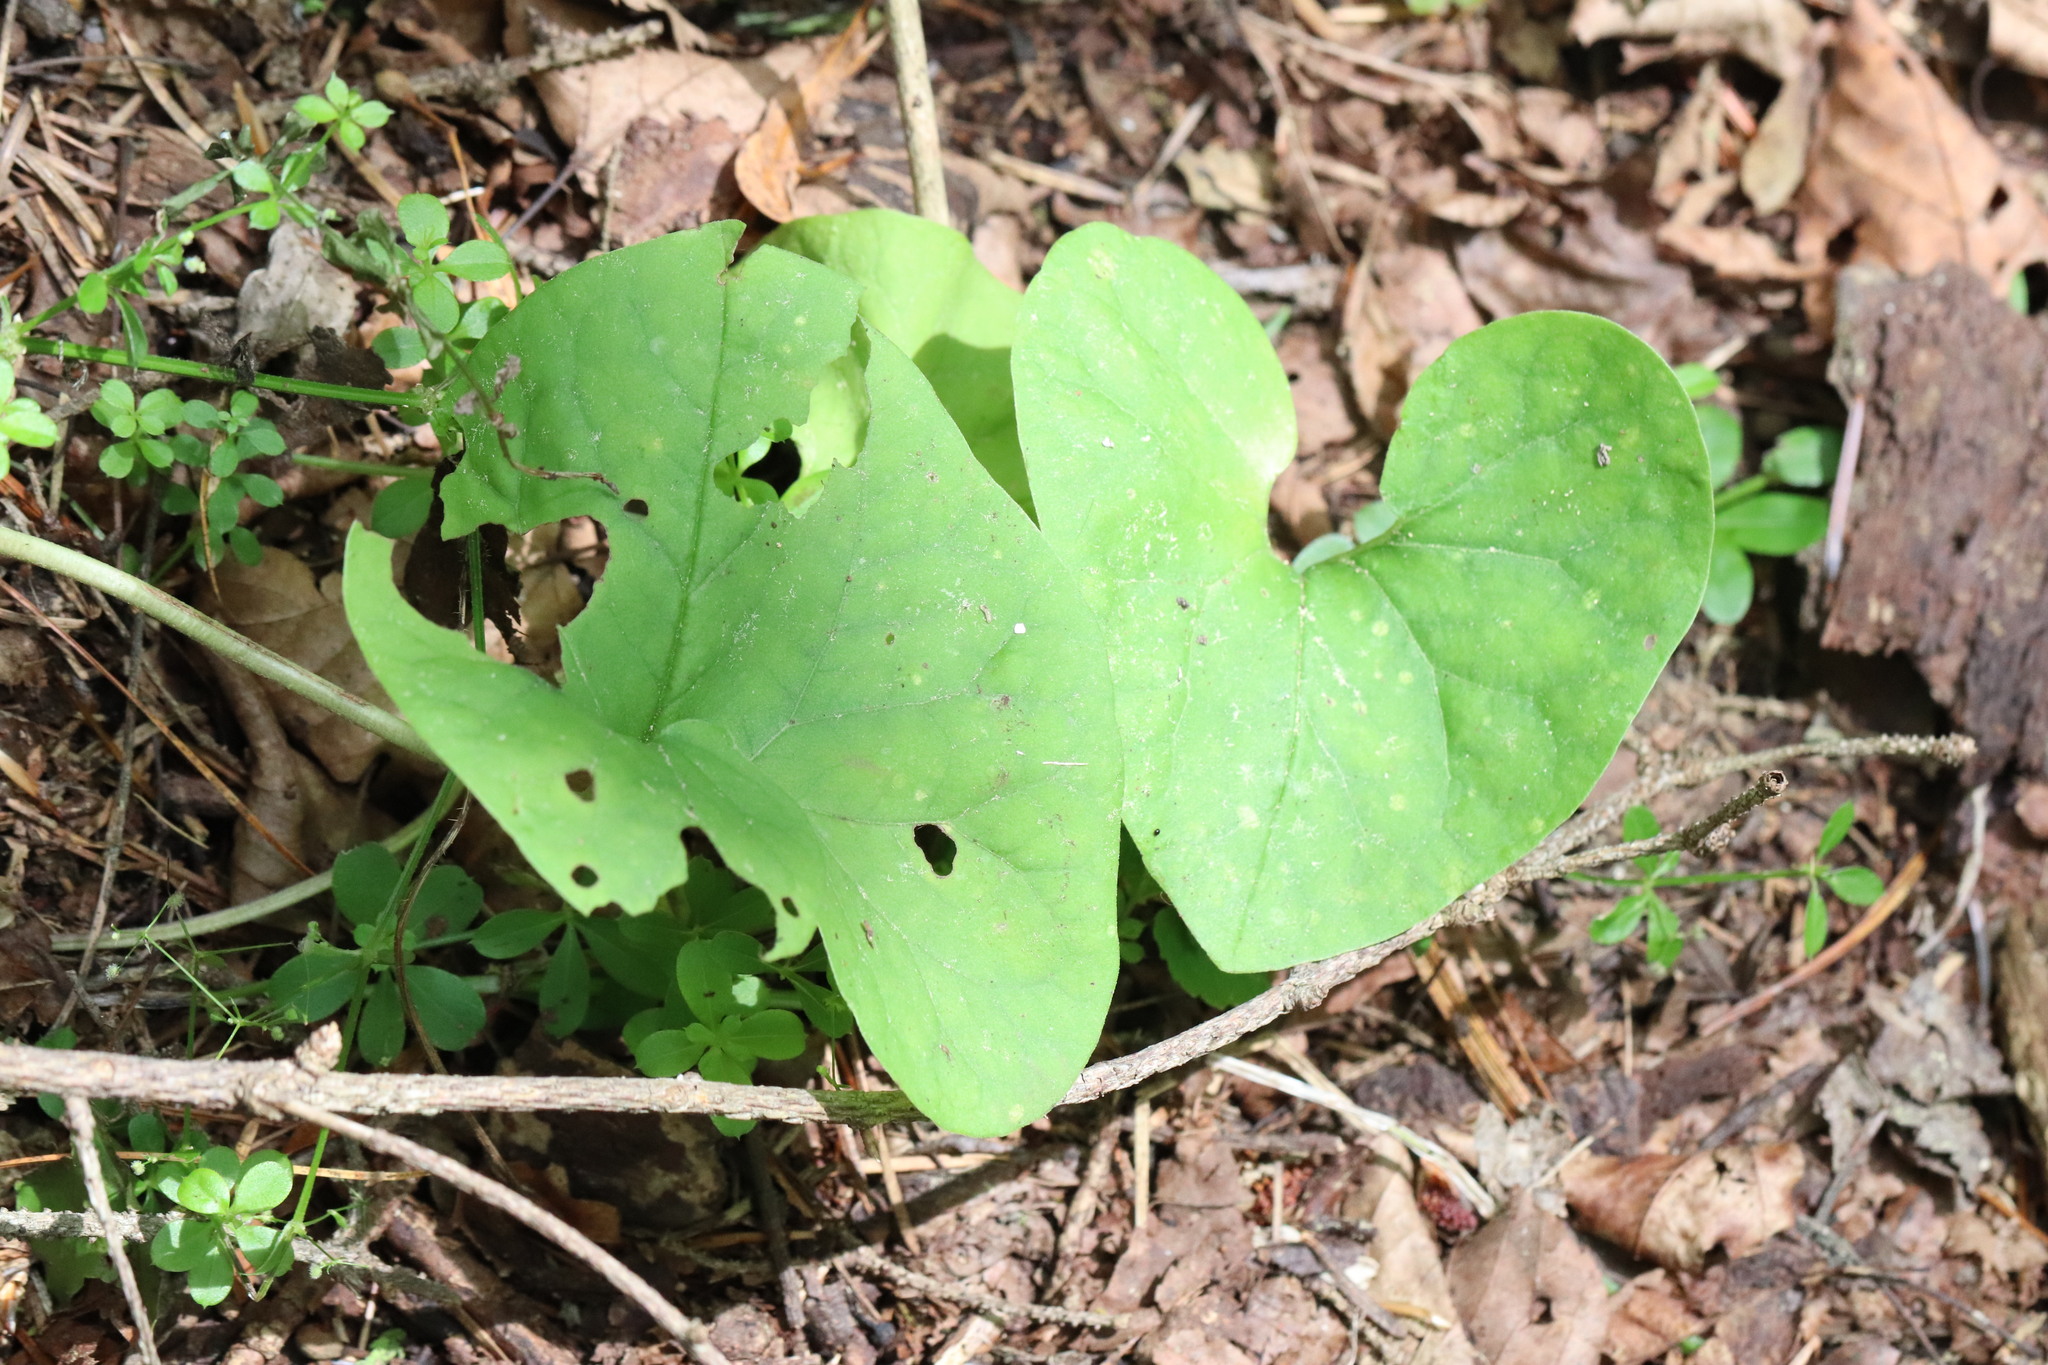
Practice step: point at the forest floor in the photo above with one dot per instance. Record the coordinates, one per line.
(1753, 1158)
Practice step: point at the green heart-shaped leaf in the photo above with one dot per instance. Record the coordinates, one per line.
(922, 288)
(906, 661)
(1314, 761)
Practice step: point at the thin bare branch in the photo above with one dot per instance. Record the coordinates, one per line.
(263, 1087)
(266, 1087)
(78, 1117)
(920, 111)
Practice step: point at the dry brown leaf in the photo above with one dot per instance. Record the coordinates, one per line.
(1405, 1244)
(1227, 180)
(1768, 32)
(1321, 417)
(1593, 262)
(2032, 807)
(592, 105)
(1400, 315)
(2019, 34)
(1692, 147)
(1528, 1291)
(1775, 161)
(1735, 252)
(669, 177)
(1673, 1210)
(1646, 1319)
(1563, 127)
(276, 603)
(771, 158)
(1897, 161)
(1436, 193)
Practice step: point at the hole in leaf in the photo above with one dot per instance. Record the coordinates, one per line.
(2036, 276)
(582, 783)
(779, 468)
(584, 876)
(637, 506)
(937, 846)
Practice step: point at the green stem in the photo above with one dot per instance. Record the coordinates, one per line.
(396, 471)
(194, 369)
(246, 913)
(1741, 492)
(230, 645)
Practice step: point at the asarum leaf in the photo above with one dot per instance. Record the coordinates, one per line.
(922, 288)
(1315, 761)
(811, 692)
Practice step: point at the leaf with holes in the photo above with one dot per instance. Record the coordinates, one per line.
(1316, 760)
(922, 288)
(812, 692)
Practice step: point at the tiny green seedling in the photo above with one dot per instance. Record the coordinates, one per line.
(1754, 516)
(325, 977)
(1665, 938)
(233, 1228)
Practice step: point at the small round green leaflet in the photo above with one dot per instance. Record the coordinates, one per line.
(922, 288)
(810, 691)
(1316, 761)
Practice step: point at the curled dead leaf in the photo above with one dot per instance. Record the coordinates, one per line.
(772, 157)
(1898, 162)
(277, 603)
(1673, 1210)
(1528, 1290)
(1768, 32)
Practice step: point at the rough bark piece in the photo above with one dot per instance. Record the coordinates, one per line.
(1948, 555)
(2023, 1003)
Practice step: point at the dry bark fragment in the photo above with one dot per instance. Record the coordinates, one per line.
(1948, 559)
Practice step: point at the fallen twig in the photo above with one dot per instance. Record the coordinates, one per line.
(1429, 1153)
(78, 1117)
(920, 111)
(265, 1087)
(190, 621)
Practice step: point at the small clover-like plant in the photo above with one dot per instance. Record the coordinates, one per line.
(350, 115)
(416, 268)
(225, 439)
(1755, 516)
(233, 1227)
(1855, 885)
(1665, 938)
(324, 977)
(138, 427)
